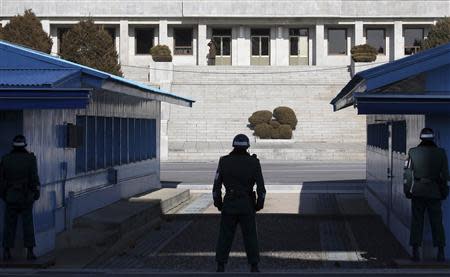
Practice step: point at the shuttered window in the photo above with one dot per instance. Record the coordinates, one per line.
(112, 141)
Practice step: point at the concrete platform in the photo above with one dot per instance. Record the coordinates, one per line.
(407, 263)
(42, 262)
(104, 232)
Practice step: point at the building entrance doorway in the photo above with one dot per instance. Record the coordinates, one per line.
(222, 40)
(298, 44)
(11, 124)
(260, 39)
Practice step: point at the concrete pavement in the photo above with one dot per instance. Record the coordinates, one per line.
(277, 173)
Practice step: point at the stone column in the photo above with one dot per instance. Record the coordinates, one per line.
(202, 45)
(399, 42)
(124, 41)
(243, 47)
(163, 33)
(46, 25)
(359, 33)
(320, 40)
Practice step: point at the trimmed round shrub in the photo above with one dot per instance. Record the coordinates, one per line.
(276, 133)
(263, 131)
(364, 53)
(274, 123)
(285, 131)
(161, 53)
(260, 117)
(286, 115)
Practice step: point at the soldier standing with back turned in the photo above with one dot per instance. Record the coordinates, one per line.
(426, 186)
(19, 188)
(238, 172)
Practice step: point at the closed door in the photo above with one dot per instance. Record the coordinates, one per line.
(299, 47)
(11, 124)
(260, 39)
(223, 49)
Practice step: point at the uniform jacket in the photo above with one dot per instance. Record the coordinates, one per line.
(19, 180)
(429, 166)
(239, 172)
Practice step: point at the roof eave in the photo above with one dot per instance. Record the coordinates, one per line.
(118, 87)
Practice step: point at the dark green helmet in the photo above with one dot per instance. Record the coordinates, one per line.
(241, 141)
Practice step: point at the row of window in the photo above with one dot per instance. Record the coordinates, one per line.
(260, 40)
(111, 141)
(378, 136)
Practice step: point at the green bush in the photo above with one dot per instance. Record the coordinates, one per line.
(260, 117)
(27, 30)
(438, 35)
(285, 131)
(263, 131)
(161, 53)
(286, 115)
(276, 133)
(364, 53)
(275, 124)
(89, 44)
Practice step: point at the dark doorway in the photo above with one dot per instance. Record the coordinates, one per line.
(11, 124)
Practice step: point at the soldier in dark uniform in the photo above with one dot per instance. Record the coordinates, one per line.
(212, 52)
(19, 188)
(238, 172)
(427, 188)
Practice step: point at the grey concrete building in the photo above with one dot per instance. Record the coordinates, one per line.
(270, 52)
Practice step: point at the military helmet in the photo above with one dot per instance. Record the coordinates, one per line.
(427, 134)
(19, 141)
(241, 141)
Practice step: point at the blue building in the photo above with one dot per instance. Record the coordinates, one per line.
(95, 135)
(399, 99)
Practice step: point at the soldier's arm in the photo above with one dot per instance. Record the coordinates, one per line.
(444, 171)
(217, 187)
(34, 178)
(2, 182)
(260, 188)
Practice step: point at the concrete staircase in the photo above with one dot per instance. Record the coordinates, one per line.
(227, 95)
(281, 75)
(106, 231)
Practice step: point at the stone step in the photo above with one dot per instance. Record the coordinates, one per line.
(106, 230)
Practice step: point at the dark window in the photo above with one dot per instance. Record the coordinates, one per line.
(144, 38)
(294, 41)
(377, 39)
(124, 141)
(109, 135)
(399, 136)
(91, 137)
(112, 33)
(222, 40)
(378, 135)
(260, 39)
(413, 39)
(294, 46)
(337, 41)
(183, 41)
(114, 141)
(100, 147)
(60, 33)
(81, 151)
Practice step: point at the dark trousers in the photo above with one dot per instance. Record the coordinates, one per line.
(434, 210)
(10, 226)
(228, 226)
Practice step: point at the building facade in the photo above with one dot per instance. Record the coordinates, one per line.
(264, 46)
